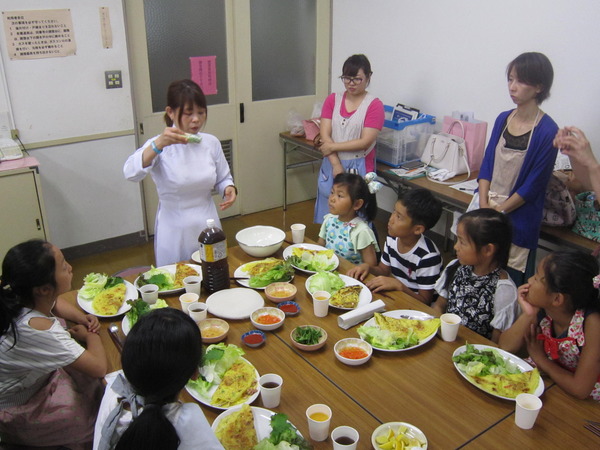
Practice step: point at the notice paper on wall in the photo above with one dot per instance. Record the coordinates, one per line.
(36, 34)
(204, 72)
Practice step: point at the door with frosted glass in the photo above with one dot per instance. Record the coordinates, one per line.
(271, 57)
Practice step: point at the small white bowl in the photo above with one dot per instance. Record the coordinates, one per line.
(352, 342)
(213, 326)
(280, 292)
(264, 311)
(309, 347)
(260, 241)
(411, 431)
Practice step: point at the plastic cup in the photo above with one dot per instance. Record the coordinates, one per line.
(270, 389)
(298, 230)
(149, 293)
(192, 284)
(344, 438)
(187, 299)
(319, 418)
(321, 303)
(449, 325)
(527, 408)
(197, 311)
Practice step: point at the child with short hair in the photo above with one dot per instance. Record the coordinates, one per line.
(140, 408)
(560, 324)
(345, 229)
(50, 386)
(476, 285)
(410, 262)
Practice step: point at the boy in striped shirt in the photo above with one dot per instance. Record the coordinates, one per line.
(410, 262)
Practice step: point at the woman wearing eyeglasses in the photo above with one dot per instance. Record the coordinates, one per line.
(350, 123)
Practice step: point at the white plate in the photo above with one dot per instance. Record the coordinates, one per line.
(396, 314)
(287, 252)
(262, 420)
(196, 257)
(130, 294)
(522, 365)
(411, 431)
(234, 303)
(364, 297)
(211, 391)
(172, 268)
(241, 273)
(125, 325)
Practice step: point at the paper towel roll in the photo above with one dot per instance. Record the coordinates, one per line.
(361, 314)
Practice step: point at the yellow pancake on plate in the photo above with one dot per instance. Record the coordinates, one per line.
(421, 328)
(108, 301)
(183, 271)
(237, 385)
(509, 385)
(236, 431)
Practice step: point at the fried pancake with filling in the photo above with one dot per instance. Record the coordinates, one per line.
(183, 271)
(346, 297)
(108, 301)
(421, 328)
(509, 385)
(263, 266)
(236, 431)
(237, 385)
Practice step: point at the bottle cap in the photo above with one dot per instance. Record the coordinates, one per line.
(210, 223)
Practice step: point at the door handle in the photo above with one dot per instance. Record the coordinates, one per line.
(241, 113)
(38, 224)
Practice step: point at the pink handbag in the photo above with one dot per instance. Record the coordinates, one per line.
(474, 134)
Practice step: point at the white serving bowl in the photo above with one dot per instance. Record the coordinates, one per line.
(352, 342)
(264, 311)
(260, 241)
(411, 431)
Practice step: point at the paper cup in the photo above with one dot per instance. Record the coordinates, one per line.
(149, 293)
(192, 284)
(270, 389)
(319, 418)
(449, 325)
(344, 438)
(527, 408)
(321, 303)
(298, 230)
(187, 299)
(197, 311)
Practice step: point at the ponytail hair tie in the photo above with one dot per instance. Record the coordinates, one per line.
(596, 281)
(374, 186)
(6, 288)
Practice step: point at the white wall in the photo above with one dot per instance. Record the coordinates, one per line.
(85, 194)
(443, 56)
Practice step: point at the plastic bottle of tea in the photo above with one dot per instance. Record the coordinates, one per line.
(213, 254)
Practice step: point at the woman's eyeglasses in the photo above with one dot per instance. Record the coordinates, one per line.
(351, 80)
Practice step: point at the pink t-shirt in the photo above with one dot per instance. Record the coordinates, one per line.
(375, 113)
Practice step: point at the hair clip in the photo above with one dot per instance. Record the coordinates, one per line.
(596, 281)
(374, 186)
(6, 287)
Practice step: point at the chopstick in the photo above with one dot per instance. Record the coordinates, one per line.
(592, 427)
(238, 278)
(116, 339)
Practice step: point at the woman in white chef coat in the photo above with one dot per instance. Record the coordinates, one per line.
(185, 172)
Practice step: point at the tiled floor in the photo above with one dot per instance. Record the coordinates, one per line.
(142, 255)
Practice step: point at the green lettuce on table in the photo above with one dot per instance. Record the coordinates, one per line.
(325, 281)
(160, 277)
(139, 307)
(386, 339)
(283, 436)
(281, 272)
(94, 283)
(217, 359)
(475, 362)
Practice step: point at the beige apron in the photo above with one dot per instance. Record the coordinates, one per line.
(507, 166)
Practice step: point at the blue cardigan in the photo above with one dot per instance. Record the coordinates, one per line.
(533, 178)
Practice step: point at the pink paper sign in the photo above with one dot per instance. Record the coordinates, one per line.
(204, 72)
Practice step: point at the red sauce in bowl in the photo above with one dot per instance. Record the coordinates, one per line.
(267, 319)
(288, 308)
(253, 339)
(353, 353)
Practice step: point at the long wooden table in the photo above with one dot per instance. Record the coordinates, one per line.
(419, 386)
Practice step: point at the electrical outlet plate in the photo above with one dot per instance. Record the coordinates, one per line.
(113, 79)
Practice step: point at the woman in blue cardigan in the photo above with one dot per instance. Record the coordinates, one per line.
(519, 159)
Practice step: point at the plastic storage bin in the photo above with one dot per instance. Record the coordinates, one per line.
(399, 142)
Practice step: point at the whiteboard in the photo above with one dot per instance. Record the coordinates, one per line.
(63, 98)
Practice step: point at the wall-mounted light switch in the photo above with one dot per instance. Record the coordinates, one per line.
(113, 79)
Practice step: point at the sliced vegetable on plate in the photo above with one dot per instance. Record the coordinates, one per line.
(311, 258)
(392, 331)
(105, 296)
(264, 272)
(496, 371)
(169, 279)
(226, 379)
(138, 308)
(346, 292)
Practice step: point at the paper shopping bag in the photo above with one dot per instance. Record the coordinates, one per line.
(474, 134)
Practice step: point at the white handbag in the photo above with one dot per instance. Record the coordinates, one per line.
(447, 151)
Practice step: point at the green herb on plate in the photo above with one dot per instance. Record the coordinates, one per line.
(475, 362)
(283, 436)
(281, 272)
(307, 335)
